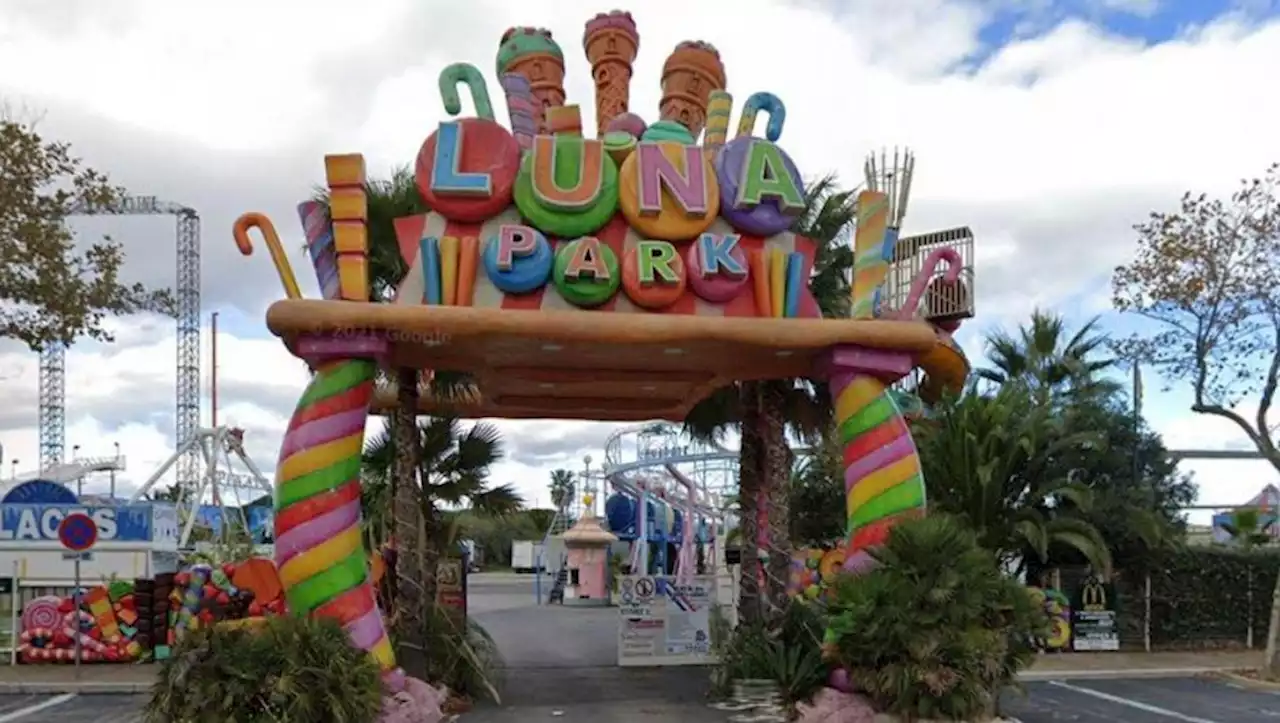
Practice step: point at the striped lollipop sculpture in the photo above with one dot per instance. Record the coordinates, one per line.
(324, 568)
(883, 480)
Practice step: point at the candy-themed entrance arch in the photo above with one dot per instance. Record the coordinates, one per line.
(623, 278)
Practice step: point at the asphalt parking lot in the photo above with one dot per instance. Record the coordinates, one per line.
(1152, 700)
(68, 707)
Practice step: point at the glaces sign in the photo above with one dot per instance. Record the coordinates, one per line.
(39, 523)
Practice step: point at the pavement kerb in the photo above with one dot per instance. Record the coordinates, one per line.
(1232, 676)
(1040, 676)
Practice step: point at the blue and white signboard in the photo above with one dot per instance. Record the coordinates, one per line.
(39, 523)
(164, 526)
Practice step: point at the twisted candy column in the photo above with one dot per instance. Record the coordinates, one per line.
(883, 480)
(322, 561)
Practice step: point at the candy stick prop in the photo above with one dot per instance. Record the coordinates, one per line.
(349, 209)
(240, 231)
(323, 566)
(719, 108)
(870, 266)
(318, 231)
(523, 108)
(883, 479)
(565, 120)
(760, 281)
(795, 284)
(468, 257)
(769, 103)
(431, 283)
(911, 307)
(777, 281)
(886, 252)
(449, 270)
(465, 74)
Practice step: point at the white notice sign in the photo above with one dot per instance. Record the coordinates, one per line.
(662, 622)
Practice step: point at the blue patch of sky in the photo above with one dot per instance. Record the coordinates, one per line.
(1149, 21)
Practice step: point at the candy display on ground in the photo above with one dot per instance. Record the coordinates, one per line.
(132, 620)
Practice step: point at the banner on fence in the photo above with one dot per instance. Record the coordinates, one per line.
(662, 622)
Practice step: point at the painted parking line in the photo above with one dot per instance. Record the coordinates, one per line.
(1196, 697)
(1130, 703)
(10, 703)
(30, 710)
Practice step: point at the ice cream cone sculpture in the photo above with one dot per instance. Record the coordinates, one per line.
(611, 41)
(533, 53)
(690, 74)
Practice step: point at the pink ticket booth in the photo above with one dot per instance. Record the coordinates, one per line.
(587, 547)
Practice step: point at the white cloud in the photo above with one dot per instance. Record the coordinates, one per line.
(1049, 149)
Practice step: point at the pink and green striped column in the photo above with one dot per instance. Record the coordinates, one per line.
(883, 480)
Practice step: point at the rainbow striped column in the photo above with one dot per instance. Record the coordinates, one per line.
(883, 481)
(323, 565)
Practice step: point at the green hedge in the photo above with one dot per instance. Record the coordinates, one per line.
(1210, 596)
(1201, 598)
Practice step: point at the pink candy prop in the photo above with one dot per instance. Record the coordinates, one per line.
(524, 109)
(918, 285)
(318, 231)
(42, 613)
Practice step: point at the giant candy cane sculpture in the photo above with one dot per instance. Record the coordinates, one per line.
(920, 283)
(323, 565)
(324, 568)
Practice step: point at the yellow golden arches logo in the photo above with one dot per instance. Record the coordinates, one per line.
(1093, 596)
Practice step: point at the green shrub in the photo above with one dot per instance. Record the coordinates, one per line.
(787, 651)
(288, 670)
(937, 630)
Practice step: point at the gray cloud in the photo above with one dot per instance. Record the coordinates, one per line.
(220, 185)
(1038, 251)
(554, 443)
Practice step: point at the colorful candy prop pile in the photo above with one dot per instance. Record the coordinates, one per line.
(813, 569)
(125, 621)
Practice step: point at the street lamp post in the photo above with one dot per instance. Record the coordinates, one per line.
(113, 472)
(75, 454)
(588, 490)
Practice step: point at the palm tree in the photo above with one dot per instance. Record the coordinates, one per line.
(1052, 364)
(990, 461)
(762, 412)
(1248, 528)
(562, 488)
(388, 199)
(453, 471)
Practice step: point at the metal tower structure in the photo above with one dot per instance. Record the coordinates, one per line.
(187, 404)
(53, 394)
(892, 177)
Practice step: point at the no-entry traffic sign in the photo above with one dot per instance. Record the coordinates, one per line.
(78, 532)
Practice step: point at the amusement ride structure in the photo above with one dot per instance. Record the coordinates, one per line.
(202, 463)
(687, 489)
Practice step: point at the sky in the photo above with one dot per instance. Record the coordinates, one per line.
(1049, 128)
